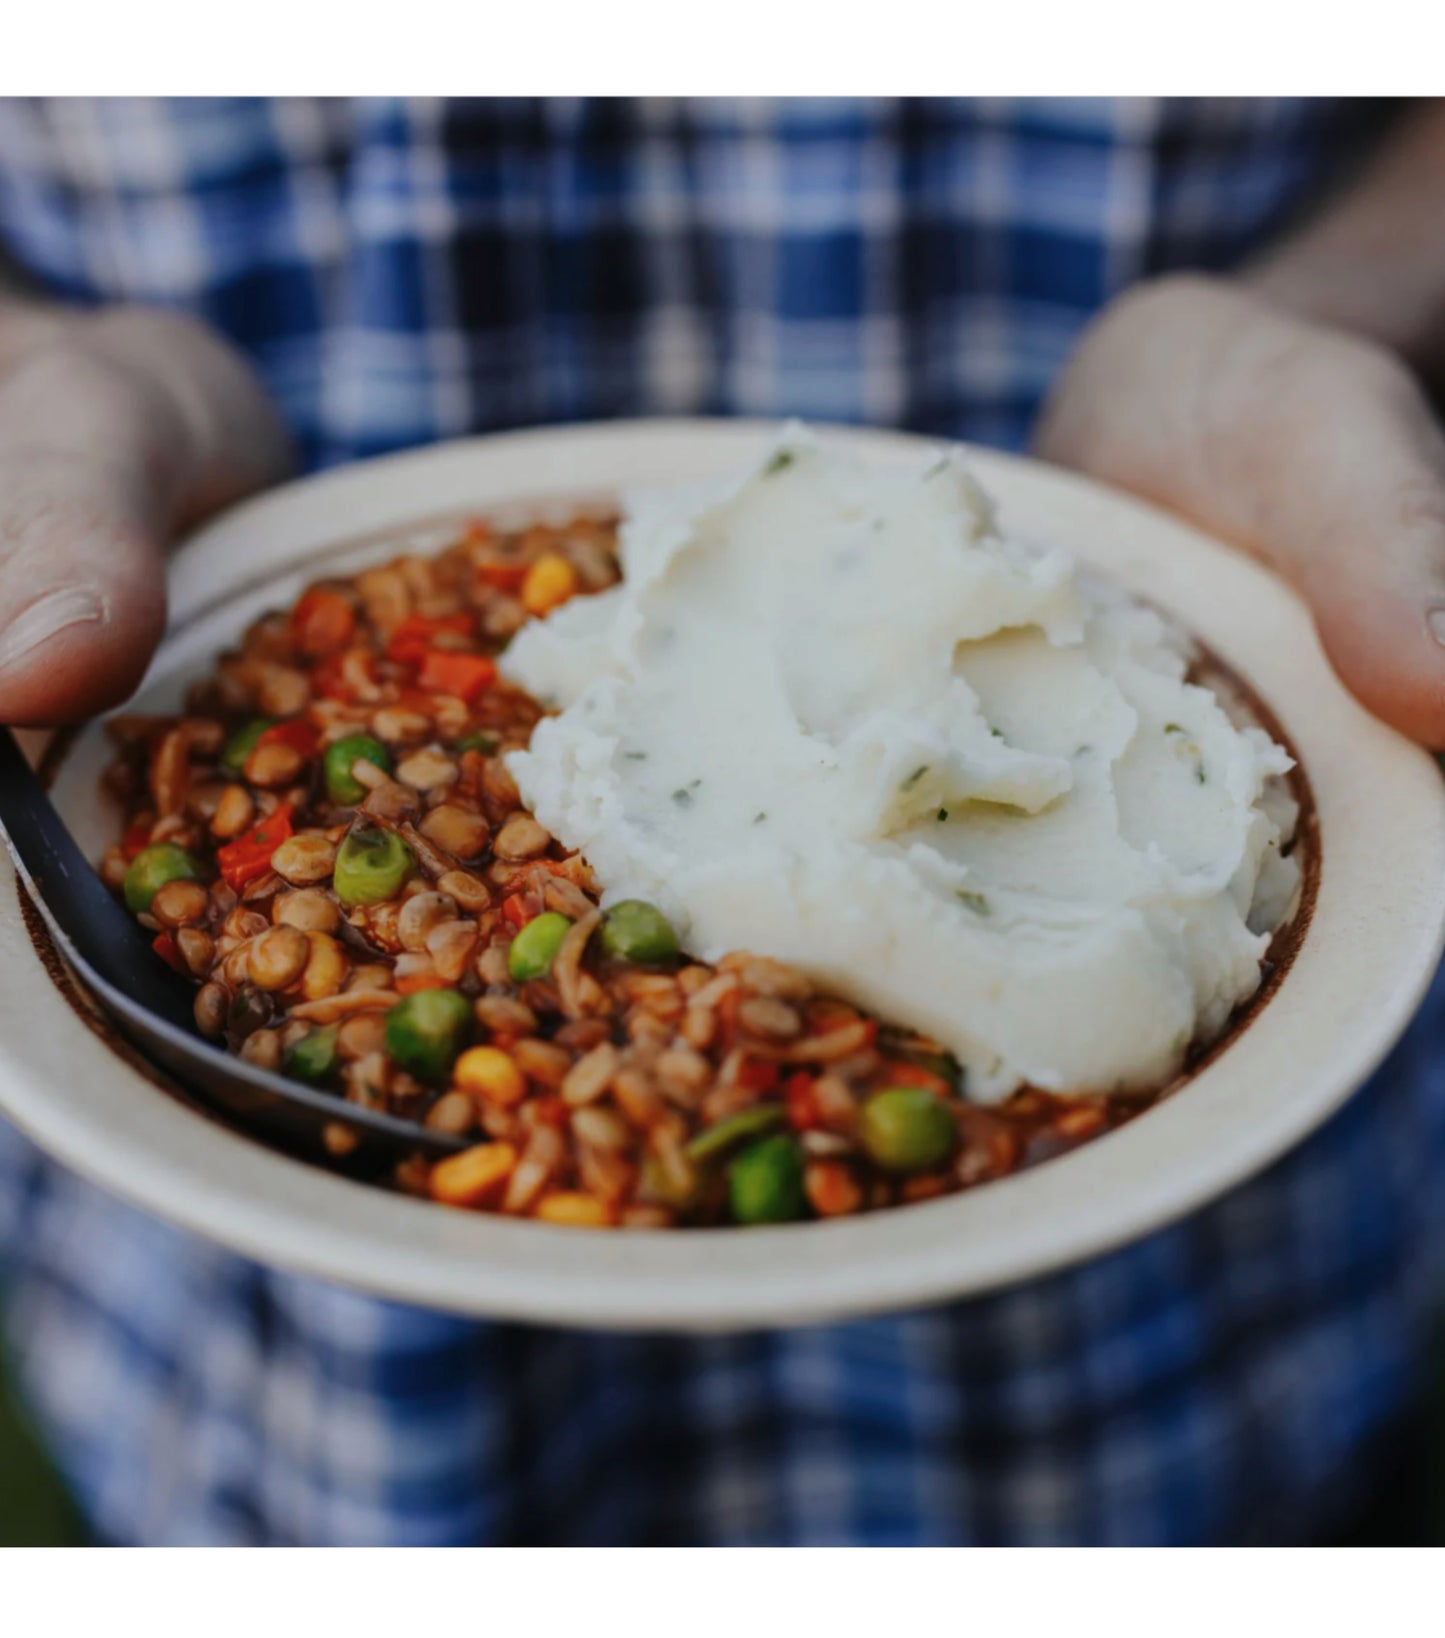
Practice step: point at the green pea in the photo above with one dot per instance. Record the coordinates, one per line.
(906, 1129)
(240, 745)
(426, 1031)
(765, 1182)
(371, 864)
(750, 1123)
(638, 932)
(151, 869)
(485, 743)
(313, 1059)
(535, 948)
(341, 785)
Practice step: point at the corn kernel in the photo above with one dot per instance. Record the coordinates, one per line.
(468, 1178)
(550, 580)
(574, 1209)
(489, 1073)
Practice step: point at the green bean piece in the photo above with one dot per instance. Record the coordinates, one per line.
(151, 869)
(341, 784)
(240, 745)
(756, 1122)
(906, 1129)
(425, 1032)
(535, 947)
(313, 1059)
(371, 865)
(485, 743)
(638, 932)
(765, 1182)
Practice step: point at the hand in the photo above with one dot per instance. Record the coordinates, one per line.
(118, 431)
(1313, 449)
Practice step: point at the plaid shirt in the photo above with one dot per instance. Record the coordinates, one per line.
(405, 272)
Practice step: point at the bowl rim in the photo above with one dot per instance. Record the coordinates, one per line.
(1361, 969)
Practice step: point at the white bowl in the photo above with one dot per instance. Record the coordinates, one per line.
(1360, 971)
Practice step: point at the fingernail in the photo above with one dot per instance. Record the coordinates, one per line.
(45, 618)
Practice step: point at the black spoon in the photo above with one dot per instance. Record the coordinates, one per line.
(111, 956)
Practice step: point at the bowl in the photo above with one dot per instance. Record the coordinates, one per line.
(1359, 971)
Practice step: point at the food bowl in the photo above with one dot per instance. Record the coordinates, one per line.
(1361, 964)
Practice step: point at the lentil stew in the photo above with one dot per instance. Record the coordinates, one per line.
(329, 844)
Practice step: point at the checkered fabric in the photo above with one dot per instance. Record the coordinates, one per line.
(408, 271)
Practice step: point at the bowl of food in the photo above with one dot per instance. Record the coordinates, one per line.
(804, 873)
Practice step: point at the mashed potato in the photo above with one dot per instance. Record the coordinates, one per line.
(833, 716)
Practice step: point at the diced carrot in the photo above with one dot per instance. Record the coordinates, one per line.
(463, 675)
(520, 908)
(322, 622)
(900, 1072)
(249, 856)
(758, 1074)
(329, 677)
(416, 634)
(803, 1111)
(299, 734)
(506, 577)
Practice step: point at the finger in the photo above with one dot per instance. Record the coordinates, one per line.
(1314, 452)
(110, 443)
(82, 588)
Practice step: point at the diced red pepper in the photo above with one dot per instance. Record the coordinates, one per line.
(416, 634)
(165, 947)
(803, 1111)
(463, 675)
(322, 622)
(900, 1072)
(520, 908)
(758, 1074)
(136, 838)
(249, 856)
(297, 733)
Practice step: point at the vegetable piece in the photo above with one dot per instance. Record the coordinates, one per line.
(550, 581)
(536, 946)
(151, 869)
(469, 1178)
(765, 1182)
(414, 636)
(756, 1122)
(341, 784)
(485, 743)
(322, 621)
(463, 675)
(314, 1057)
(573, 1209)
(906, 1129)
(919, 1072)
(424, 1032)
(488, 1072)
(638, 932)
(521, 908)
(165, 947)
(249, 856)
(297, 733)
(240, 745)
(371, 864)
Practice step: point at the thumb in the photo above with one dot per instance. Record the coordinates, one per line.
(115, 433)
(1312, 450)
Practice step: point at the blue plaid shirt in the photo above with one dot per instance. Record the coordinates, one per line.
(405, 272)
